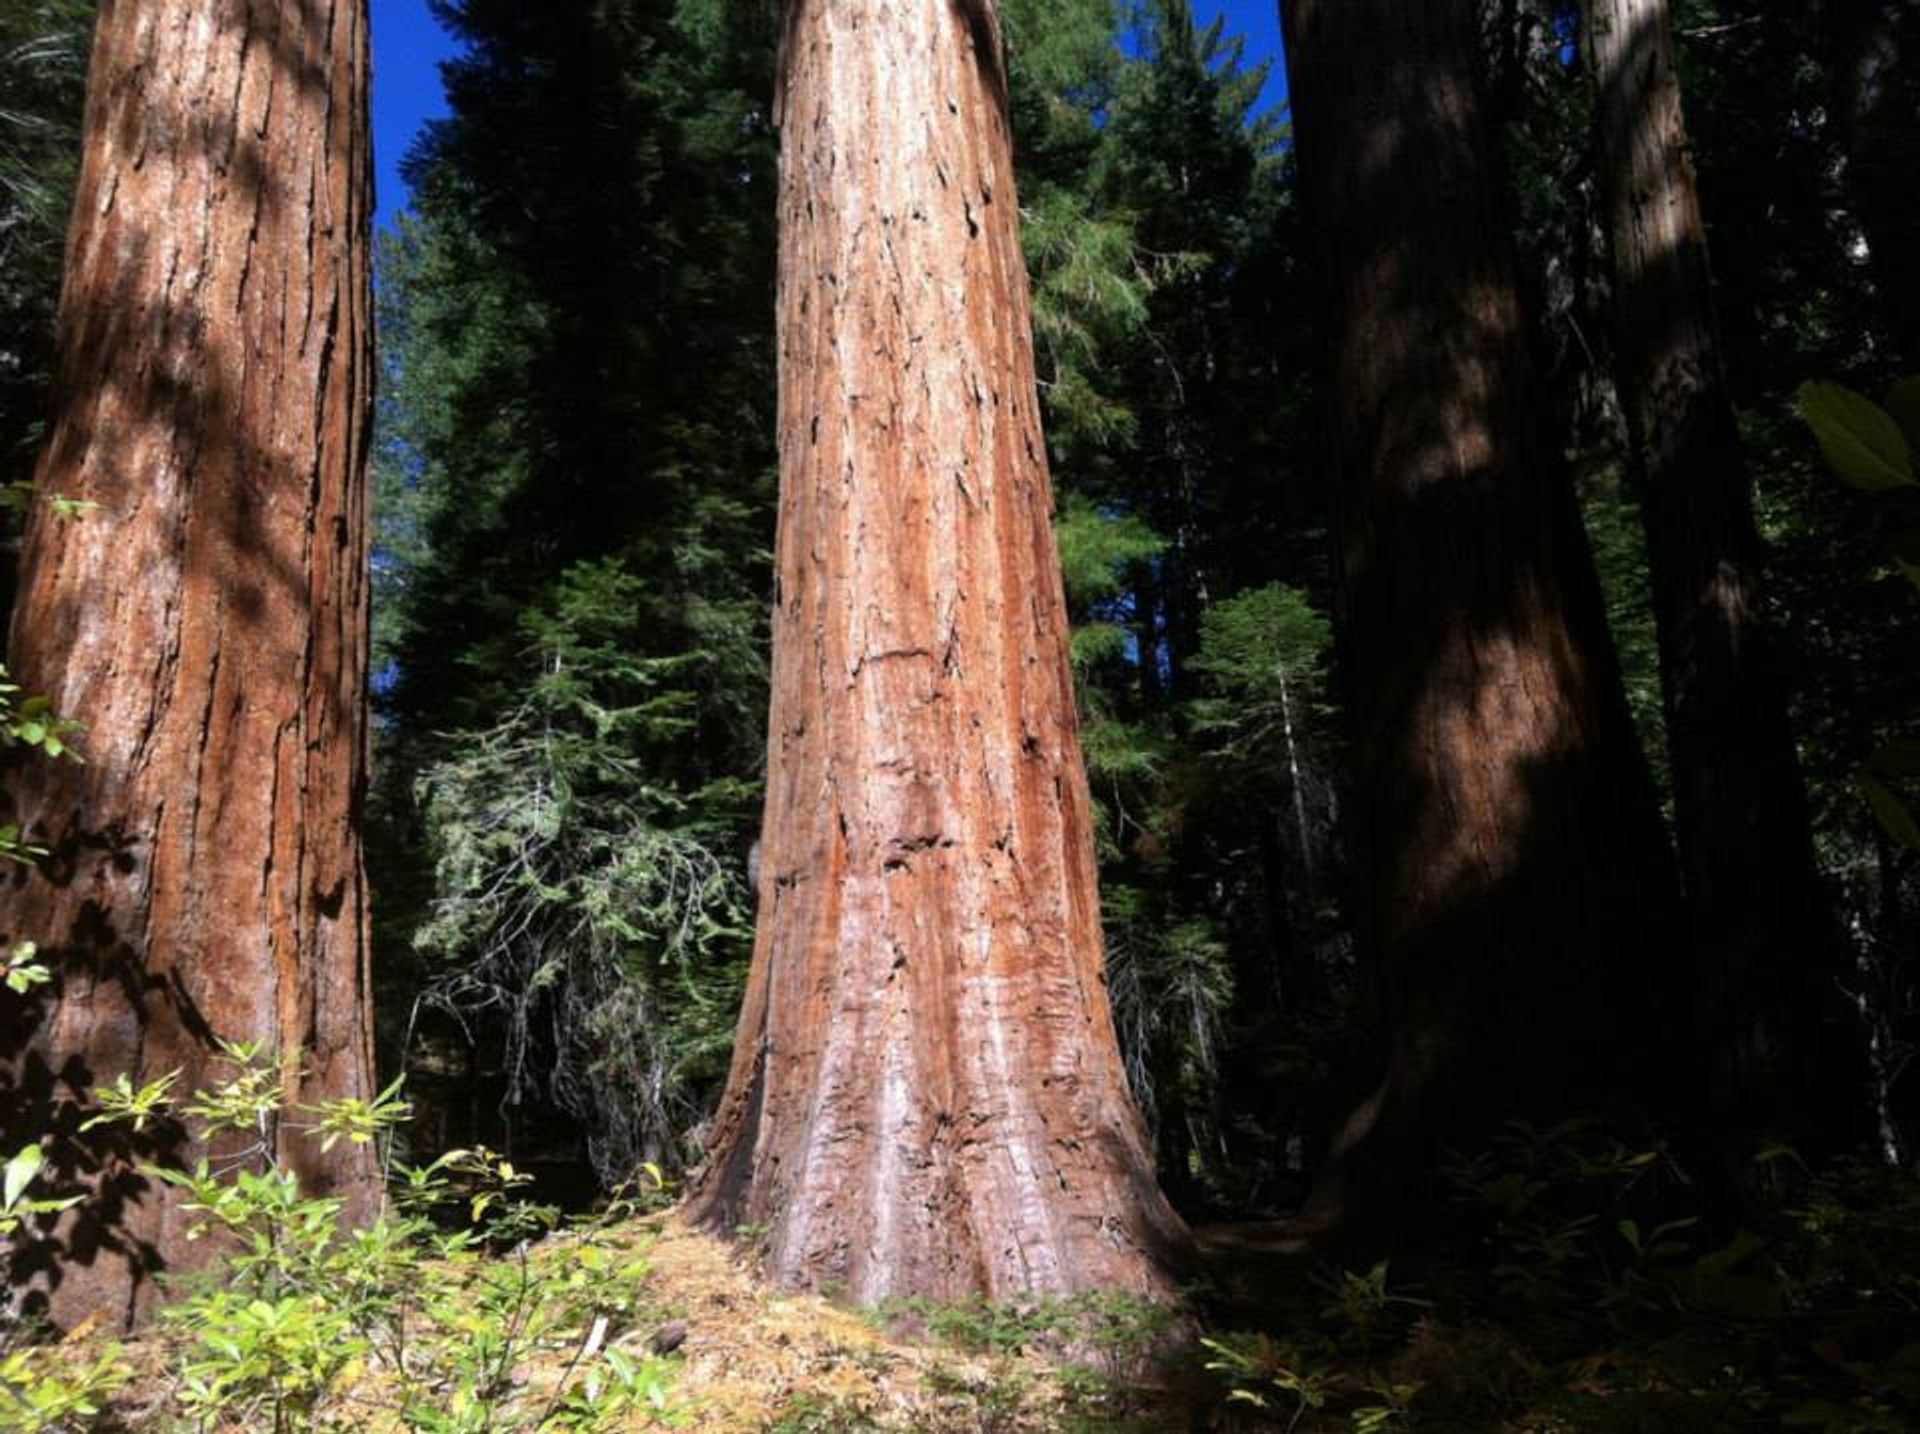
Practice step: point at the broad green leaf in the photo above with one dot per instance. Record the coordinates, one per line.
(19, 1174)
(1892, 812)
(1859, 438)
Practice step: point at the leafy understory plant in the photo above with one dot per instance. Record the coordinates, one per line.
(47, 1391)
(44, 1395)
(15, 1178)
(1579, 1290)
(1102, 1349)
(28, 722)
(463, 1308)
(1343, 1363)
(32, 1398)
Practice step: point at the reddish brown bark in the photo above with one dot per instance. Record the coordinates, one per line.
(1512, 871)
(926, 1095)
(207, 619)
(1760, 933)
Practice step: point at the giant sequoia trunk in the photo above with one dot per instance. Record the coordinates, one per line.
(1512, 875)
(1759, 927)
(207, 618)
(926, 1095)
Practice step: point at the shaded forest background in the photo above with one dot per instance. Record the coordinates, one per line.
(576, 489)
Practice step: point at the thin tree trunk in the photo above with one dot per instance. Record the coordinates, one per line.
(1296, 785)
(1759, 926)
(1511, 871)
(1875, 68)
(207, 619)
(927, 1095)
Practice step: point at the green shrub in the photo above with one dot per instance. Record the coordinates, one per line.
(1584, 1289)
(492, 1322)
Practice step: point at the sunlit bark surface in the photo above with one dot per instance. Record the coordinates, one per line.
(207, 618)
(927, 1095)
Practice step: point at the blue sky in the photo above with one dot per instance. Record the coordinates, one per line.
(408, 47)
(1259, 21)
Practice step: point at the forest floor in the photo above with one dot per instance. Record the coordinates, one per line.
(756, 1361)
(740, 1358)
(1571, 1312)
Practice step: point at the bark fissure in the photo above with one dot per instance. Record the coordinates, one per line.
(207, 619)
(927, 1095)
